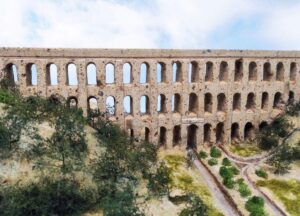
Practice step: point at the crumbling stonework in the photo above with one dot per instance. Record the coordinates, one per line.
(215, 96)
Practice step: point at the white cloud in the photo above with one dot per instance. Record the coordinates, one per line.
(144, 24)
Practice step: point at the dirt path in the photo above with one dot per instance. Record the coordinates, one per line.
(220, 200)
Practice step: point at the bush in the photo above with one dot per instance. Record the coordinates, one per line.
(226, 162)
(244, 190)
(267, 142)
(195, 206)
(261, 173)
(202, 155)
(225, 172)
(212, 161)
(215, 153)
(255, 205)
(229, 183)
(234, 170)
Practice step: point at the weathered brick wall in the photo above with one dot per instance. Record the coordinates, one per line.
(196, 116)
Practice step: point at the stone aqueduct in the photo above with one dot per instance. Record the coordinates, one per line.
(190, 97)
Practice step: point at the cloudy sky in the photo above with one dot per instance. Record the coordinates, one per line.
(195, 24)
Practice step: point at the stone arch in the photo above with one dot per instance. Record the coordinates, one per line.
(236, 104)
(235, 131)
(11, 73)
(31, 74)
(249, 131)
(92, 103)
(145, 132)
(144, 104)
(193, 72)
(91, 74)
(291, 98)
(264, 101)
(177, 71)
(110, 105)
(280, 72)
(267, 73)
(51, 74)
(223, 73)
(162, 140)
(251, 104)
(176, 103)
(72, 102)
(109, 73)
(128, 105)
(208, 103)
(209, 76)
(238, 72)
(193, 103)
(144, 73)
(192, 136)
(176, 135)
(207, 133)
(252, 71)
(293, 71)
(72, 74)
(263, 125)
(130, 133)
(127, 73)
(222, 104)
(220, 133)
(161, 72)
(161, 103)
(278, 101)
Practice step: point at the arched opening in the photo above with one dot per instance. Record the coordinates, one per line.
(209, 77)
(252, 71)
(144, 73)
(109, 73)
(207, 133)
(208, 103)
(72, 74)
(223, 74)
(145, 105)
(31, 74)
(280, 72)
(238, 73)
(193, 103)
(72, 102)
(51, 74)
(193, 72)
(91, 73)
(222, 102)
(267, 73)
(236, 105)
(145, 132)
(278, 101)
(128, 105)
(192, 136)
(92, 103)
(176, 135)
(176, 103)
(162, 136)
(235, 132)
(263, 125)
(293, 71)
(161, 104)
(11, 73)
(291, 97)
(250, 105)
(130, 133)
(264, 101)
(220, 136)
(127, 73)
(249, 132)
(161, 72)
(177, 72)
(110, 106)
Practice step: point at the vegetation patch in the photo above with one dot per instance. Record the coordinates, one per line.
(255, 205)
(245, 150)
(261, 173)
(212, 162)
(215, 152)
(285, 190)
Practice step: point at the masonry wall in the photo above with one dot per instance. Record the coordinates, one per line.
(226, 98)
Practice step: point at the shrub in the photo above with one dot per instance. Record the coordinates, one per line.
(202, 154)
(255, 205)
(225, 172)
(229, 183)
(212, 161)
(267, 142)
(234, 170)
(244, 190)
(215, 153)
(226, 162)
(195, 206)
(261, 173)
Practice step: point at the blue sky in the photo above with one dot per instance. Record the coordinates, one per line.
(184, 24)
